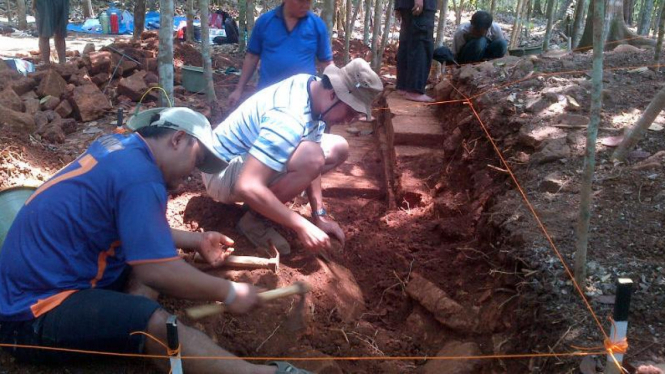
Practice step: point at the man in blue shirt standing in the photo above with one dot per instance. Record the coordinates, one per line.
(287, 40)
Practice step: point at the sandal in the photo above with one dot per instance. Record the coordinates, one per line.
(284, 367)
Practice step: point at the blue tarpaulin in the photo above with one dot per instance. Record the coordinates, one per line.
(92, 26)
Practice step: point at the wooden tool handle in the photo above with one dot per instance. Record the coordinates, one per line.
(241, 261)
(297, 288)
(202, 311)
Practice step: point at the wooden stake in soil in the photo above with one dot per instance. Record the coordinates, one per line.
(620, 325)
(173, 344)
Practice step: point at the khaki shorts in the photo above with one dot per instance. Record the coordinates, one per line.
(221, 187)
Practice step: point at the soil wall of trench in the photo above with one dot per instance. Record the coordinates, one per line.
(480, 263)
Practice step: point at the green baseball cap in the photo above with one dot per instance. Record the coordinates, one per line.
(189, 121)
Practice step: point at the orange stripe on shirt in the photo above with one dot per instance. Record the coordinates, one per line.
(101, 262)
(87, 163)
(45, 305)
(141, 262)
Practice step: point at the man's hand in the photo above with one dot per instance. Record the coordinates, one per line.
(417, 7)
(234, 97)
(212, 248)
(246, 298)
(312, 237)
(330, 227)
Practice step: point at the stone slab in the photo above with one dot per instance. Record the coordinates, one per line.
(415, 151)
(402, 107)
(417, 131)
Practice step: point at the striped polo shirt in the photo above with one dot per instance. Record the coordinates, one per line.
(271, 124)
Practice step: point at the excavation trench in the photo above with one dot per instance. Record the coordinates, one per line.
(420, 275)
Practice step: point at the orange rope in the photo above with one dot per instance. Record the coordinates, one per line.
(350, 358)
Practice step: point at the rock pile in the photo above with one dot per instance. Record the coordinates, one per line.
(52, 101)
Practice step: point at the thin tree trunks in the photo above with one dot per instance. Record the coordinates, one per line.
(165, 56)
(368, 17)
(328, 15)
(88, 12)
(661, 33)
(441, 26)
(348, 30)
(21, 15)
(582, 232)
(514, 35)
(636, 133)
(377, 31)
(205, 52)
(578, 22)
(242, 20)
(493, 7)
(548, 30)
(190, 21)
(250, 16)
(386, 34)
(139, 18)
(645, 17)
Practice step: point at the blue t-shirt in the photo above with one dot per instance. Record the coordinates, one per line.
(82, 228)
(285, 53)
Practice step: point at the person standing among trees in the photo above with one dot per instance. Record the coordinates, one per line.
(287, 40)
(52, 17)
(416, 47)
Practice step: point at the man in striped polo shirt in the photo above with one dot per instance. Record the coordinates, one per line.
(276, 148)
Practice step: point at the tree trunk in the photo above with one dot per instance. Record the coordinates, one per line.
(139, 18)
(582, 237)
(165, 56)
(636, 133)
(378, 6)
(561, 14)
(655, 19)
(386, 34)
(441, 26)
(20, 15)
(515, 34)
(458, 12)
(250, 16)
(548, 30)
(9, 12)
(627, 8)
(368, 17)
(661, 32)
(88, 12)
(242, 23)
(205, 52)
(645, 17)
(538, 8)
(328, 15)
(190, 20)
(348, 30)
(578, 22)
(493, 7)
(616, 30)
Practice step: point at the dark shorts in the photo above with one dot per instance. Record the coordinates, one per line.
(52, 17)
(94, 319)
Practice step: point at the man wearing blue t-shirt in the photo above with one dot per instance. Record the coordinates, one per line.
(101, 220)
(276, 148)
(287, 40)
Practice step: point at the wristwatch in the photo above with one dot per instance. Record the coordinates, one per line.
(320, 213)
